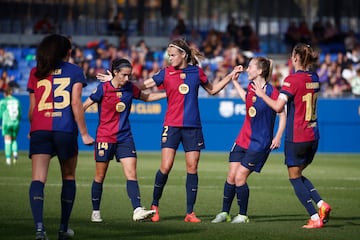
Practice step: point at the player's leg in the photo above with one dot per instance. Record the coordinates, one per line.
(104, 152)
(7, 143)
(67, 152)
(192, 160)
(235, 157)
(193, 143)
(242, 194)
(97, 189)
(40, 165)
(161, 177)
(40, 152)
(133, 190)
(14, 144)
(297, 159)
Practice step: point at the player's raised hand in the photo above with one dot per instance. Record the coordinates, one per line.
(104, 77)
(258, 89)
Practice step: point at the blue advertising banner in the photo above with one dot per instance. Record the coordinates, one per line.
(222, 118)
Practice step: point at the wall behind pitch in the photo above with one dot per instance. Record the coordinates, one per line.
(222, 118)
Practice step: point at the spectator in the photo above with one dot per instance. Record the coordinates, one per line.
(232, 29)
(180, 27)
(7, 59)
(337, 86)
(44, 25)
(99, 68)
(324, 76)
(247, 34)
(330, 33)
(3, 81)
(350, 41)
(88, 71)
(292, 34)
(116, 26)
(318, 31)
(304, 32)
(10, 81)
(355, 84)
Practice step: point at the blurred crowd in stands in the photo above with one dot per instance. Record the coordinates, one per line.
(338, 66)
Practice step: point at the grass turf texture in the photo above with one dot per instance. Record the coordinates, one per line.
(274, 211)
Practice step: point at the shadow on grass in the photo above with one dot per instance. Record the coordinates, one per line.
(118, 229)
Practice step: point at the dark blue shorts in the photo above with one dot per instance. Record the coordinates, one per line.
(254, 161)
(105, 152)
(300, 154)
(64, 145)
(192, 139)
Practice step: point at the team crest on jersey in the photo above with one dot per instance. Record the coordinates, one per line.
(182, 75)
(183, 88)
(252, 111)
(101, 153)
(119, 94)
(253, 99)
(120, 107)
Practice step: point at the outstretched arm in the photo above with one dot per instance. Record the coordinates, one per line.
(153, 96)
(78, 110)
(215, 88)
(148, 83)
(104, 77)
(276, 142)
(239, 89)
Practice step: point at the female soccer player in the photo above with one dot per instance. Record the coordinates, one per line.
(56, 116)
(10, 112)
(181, 81)
(300, 91)
(114, 137)
(254, 142)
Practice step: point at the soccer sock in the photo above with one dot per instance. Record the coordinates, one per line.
(313, 192)
(96, 193)
(242, 193)
(229, 194)
(68, 192)
(191, 191)
(303, 195)
(160, 181)
(14, 148)
(7, 148)
(133, 192)
(36, 196)
(319, 203)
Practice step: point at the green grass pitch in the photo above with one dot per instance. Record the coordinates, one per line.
(274, 211)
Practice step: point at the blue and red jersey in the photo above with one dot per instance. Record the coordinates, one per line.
(114, 106)
(302, 89)
(53, 111)
(257, 131)
(182, 86)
